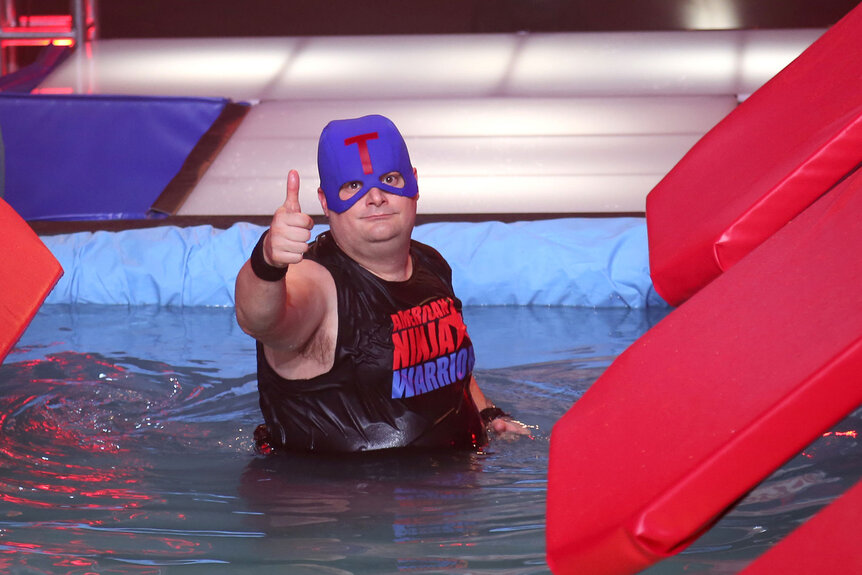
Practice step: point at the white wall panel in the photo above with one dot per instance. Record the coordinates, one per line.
(459, 117)
(472, 156)
(479, 65)
(521, 123)
(550, 155)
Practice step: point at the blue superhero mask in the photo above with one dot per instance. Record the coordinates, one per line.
(362, 150)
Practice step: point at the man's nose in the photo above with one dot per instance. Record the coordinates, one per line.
(375, 196)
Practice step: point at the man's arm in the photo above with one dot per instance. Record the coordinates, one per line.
(286, 313)
(502, 424)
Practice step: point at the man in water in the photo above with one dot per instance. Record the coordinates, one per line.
(360, 340)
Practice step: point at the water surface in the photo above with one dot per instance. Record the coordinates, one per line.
(125, 447)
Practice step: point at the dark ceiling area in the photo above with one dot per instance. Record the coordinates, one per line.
(222, 18)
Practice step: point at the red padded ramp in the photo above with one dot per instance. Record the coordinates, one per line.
(826, 543)
(768, 160)
(28, 272)
(713, 399)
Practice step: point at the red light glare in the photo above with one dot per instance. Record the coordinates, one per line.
(852, 433)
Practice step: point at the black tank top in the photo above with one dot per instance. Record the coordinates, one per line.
(403, 363)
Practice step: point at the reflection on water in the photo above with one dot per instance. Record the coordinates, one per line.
(125, 447)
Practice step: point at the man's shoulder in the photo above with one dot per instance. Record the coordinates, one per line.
(425, 250)
(430, 257)
(322, 249)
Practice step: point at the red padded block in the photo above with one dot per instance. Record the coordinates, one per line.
(767, 161)
(713, 399)
(826, 543)
(28, 272)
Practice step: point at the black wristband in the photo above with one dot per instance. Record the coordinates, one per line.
(489, 414)
(262, 269)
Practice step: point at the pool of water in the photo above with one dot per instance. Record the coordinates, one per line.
(125, 447)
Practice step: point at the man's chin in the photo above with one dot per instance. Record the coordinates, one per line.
(383, 236)
(387, 230)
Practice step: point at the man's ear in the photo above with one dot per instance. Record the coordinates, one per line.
(415, 174)
(322, 197)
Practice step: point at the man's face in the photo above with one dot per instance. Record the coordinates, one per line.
(376, 217)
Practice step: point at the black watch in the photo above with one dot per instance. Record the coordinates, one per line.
(489, 414)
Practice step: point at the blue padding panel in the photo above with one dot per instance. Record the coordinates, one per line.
(96, 157)
(567, 262)
(590, 262)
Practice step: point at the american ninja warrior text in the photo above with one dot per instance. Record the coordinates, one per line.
(431, 348)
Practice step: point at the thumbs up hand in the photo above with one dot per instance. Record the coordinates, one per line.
(290, 229)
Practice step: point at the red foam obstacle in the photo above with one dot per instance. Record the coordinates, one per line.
(768, 160)
(28, 272)
(713, 399)
(827, 543)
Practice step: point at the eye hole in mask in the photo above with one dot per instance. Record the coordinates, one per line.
(350, 189)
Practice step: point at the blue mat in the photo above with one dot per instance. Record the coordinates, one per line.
(97, 157)
(590, 262)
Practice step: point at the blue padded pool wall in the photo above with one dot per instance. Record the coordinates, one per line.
(586, 262)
